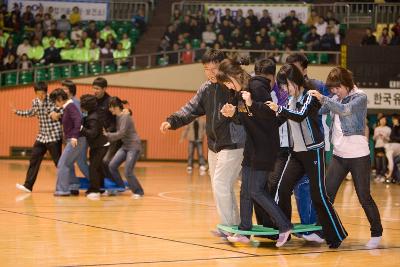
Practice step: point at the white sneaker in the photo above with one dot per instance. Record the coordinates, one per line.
(374, 242)
(136, 196)
(189, 169)
(23, 188)
(202, 168)
(313, 238)
(238, 238)
(93, 196)
(283, 237)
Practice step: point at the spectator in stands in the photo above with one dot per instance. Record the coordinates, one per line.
(24, 63)
(3, 9)
(287, 22)
(176, 16)
(248, 30)
(139, 20)
(3, 38)
(52, 54)
(265, 20)
(226, 29)
(94, 52)
(209, 35)
(23, 47)
(381, 137)
(99, 42)
(92, 30)
(321, 26)
(86, 39)
(200, 52)
(296, 33)
(75, 16)
(239, 19)
(236, 40)
(221, 41)
(257, 45)
(328, 42)
(126, 43)
(396, 33)
(272, 44)
(9, 62)
(216, 46)
(81, 53)
(184, 26)
(290, 41)
(120, 56)
(171, 35)
(312, 19)
(211, 18)
(38, 19)
(312, 39)
(40, 11)
(62, 40)
(228, 16)
(67, 53)
(369, 38)
(76, 33)
(329, 16)
(264, 35)
(50, 11)
(38, 31)
(47, 20)
(46, 40)
(195, 30)
(253, 18)
(181, 41)
(10, 48)
(384, 39)
(63, 24)
(36, 52)
(200, 20)
(53, 28)
(14, 23)
(187, 55)
(107, 31)
(174, 57)
(28, 18)
(335, 30)
(106, 52)
(286, 54)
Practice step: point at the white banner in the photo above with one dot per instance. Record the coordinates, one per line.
(379, 98)
(89, 11)
(277, 11)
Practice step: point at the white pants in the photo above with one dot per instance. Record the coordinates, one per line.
(224, 168)
(392, 150)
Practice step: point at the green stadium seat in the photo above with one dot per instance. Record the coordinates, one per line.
(312, 58)
(196, 43)
(109, 68)
(301, 45)
(162, 61)
(324, 58)
(25, 77)
(10, 78)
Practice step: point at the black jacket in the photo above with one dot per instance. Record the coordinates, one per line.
(306, 114)
(262, 135)
(92, 129)
(222, 133)
(395, 134)
(109, 120)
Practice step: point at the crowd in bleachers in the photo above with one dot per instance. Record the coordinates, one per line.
(240, 31)
(384, 35)
(27, 39)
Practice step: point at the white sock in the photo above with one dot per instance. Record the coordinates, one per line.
(374, 242)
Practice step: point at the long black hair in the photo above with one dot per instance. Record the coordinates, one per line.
(289, 72)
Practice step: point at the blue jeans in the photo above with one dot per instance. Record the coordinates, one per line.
(305, 207)
(253, 190)
(82, 161)
(65, 180)
(130, 157)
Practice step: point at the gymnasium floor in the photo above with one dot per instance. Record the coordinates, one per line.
(170, 226)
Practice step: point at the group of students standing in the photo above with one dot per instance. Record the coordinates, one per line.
(269, 127)
(97, 121)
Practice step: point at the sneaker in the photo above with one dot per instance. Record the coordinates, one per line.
(74, 192)
(313, 238)
(136, 196)
(189, 169)
(220, 233)
(203, 168)
(93, 196)
(62, 194)
(335, 244)
(238, 238)
(283, 237)
(373, 242)
(23, 188)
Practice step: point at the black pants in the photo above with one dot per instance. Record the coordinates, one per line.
(271, 185)
(112, 149)
(38, 152)
(198, 145)
(311, 163)
(360, 171)
(96, 168)
(380, 161)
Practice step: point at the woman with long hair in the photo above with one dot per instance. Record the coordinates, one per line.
(348, 108)
(262, 142)
(307, 152)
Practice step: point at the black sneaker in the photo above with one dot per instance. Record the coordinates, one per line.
(74, 192)
(334, 245)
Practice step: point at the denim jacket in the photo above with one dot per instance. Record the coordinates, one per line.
(352, 111)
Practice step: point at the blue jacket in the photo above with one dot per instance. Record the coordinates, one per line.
(352, 111)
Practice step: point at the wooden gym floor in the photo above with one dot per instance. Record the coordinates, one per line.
(170, 226)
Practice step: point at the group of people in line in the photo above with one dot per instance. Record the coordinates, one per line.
(268, 126)
(97, 121)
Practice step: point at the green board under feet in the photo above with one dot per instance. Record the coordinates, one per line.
(261, 230)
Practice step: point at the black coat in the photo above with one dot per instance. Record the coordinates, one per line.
(109, 120)
(92, 129)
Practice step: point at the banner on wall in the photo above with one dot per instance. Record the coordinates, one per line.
(277, 11)
(88, 10)
(379, 98)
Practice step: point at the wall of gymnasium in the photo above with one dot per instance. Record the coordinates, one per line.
(152, 94)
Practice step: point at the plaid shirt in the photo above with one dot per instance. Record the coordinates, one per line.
(49, 130)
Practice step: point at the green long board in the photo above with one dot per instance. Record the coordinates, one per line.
(261, 230)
